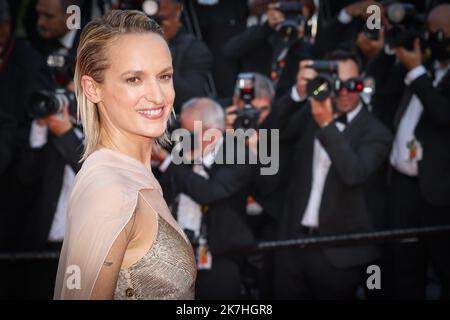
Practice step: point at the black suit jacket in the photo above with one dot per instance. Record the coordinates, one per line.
(224, 193)
(356, 154)
(433, 131)
(43, 170)
(192, 62)
(433, 128)
(258, 47)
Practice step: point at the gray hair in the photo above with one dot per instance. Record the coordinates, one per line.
(263, 86)
(206, 110)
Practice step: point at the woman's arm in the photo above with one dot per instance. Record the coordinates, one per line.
(107, 279)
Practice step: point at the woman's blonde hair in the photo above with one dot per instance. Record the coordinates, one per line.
(92, 61)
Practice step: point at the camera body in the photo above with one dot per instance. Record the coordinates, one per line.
(293, 18)
(62, 66)
(248, 116)
(406, 23)
(45, 103)
(327, 82)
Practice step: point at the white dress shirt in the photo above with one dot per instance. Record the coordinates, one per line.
(67, 40)
(189, 212)
(320, 166)
(38, 138)
(400, 154)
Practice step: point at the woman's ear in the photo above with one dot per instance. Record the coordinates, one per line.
(90, 89)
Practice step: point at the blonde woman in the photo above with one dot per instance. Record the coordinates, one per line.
(121, 241)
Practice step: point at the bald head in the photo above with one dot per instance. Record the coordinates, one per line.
(439, 19)
(206, 110)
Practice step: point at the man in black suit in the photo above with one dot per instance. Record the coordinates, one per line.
(420, 159)
(22, 71)
(334, 156)
(219, 22)
(209, 201)
(264, 49)
(52, 34)
(192, 60)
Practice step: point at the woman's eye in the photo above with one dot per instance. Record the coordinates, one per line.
(166, 77)
(133, 80)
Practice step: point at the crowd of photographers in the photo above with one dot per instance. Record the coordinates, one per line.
(350, 109)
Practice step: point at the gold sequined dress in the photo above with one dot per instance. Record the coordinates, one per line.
(103, 200)
(165, 272)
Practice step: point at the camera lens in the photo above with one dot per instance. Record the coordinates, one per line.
(320, 87)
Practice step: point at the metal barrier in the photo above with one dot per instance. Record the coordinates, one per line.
(356, 238)
(407, 235)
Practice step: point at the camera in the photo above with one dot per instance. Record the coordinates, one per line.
(62, 66)
(406, 23)
(327, 83)
(45, 103)
(293, 18)
(248, 116)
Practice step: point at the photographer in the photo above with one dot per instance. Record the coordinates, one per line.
(192, 60)
(420, 156)
(208, 198)
(344, 29)
(274, 47)
(22, 71)
(251, 105)
(338, 146)
(52, 33)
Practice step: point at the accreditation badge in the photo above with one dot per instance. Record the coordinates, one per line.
(415, 151)
(204, 258)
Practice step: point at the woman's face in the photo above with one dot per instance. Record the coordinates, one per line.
(137, 93)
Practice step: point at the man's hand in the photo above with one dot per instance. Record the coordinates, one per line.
(369, 47)
(252, 142)
(410, 59)
(274, 16)
(303, 76)
(322, 111)
(359, 9)
(59, 124)
(230, 116)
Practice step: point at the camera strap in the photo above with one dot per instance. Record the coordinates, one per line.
(204, 257)
(279, 61)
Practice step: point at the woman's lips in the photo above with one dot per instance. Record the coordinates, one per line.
(152, 114)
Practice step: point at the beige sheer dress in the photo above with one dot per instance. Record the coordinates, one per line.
(103, 200)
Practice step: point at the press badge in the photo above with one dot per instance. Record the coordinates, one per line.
(414, 150)
(204, 258)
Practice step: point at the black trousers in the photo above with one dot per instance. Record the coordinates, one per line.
(309, 274)
(221, 282)
(409, 209)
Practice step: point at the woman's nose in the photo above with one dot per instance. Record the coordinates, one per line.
(154, 93)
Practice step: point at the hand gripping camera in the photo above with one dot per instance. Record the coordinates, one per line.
(327, 82)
